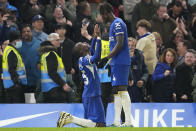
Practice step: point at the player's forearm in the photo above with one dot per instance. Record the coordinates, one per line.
(92, 49)
(97, 54)
(117, 48)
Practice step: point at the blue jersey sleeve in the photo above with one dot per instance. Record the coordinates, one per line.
(88, 60)
(118, 28)
(97, 54)
(92, 49)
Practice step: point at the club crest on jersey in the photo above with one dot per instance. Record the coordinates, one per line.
(111, 38)
(117, 25)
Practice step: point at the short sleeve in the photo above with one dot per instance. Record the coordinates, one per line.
(118, 28)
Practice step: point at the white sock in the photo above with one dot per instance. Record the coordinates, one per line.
(117, 109)
(126, 103)
(83, 122)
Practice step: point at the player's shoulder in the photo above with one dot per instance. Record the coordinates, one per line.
(84, 60)
(118, 24)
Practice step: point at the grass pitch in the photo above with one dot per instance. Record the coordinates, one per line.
(103, 129)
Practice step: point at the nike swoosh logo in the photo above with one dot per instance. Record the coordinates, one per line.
(23, 118)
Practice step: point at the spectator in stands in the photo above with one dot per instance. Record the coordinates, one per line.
(58, 18)
(181, 32)
(179, 8)
(14, 75)
(164, 76)
(181, 50)
(83, 17)
(193, 26)
(4, 4)
(176, 38)
(9, 24)
(128, 12)
(17, 3)
(143, 10)
(65, 51)
(159, 43)
(2, 92)
(184, 77)
(147, 44)
(139, 71)
(38, 26)
(29, 9)
(53, 77)
(29, 53)
(68, 8)
(163, 24)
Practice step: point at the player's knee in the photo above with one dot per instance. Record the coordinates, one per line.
(122, 88)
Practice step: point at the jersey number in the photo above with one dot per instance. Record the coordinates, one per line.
(86, 81)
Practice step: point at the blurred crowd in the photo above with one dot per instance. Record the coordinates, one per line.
(162, 41)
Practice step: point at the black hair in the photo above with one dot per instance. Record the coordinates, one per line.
(81, 7)
(13, 35)
(186, 43)
(60, 26)
(26, 25)
(106, 8)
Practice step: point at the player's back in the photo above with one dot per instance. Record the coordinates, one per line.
(90, 77)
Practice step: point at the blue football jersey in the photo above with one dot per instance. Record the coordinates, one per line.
(118, 27)
(90, 77)
(89, 70)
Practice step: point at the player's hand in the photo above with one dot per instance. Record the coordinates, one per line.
(66, 87)
(97, 32)
(140, 83)
(102, 62)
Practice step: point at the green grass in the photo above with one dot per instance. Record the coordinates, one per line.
(102, 129)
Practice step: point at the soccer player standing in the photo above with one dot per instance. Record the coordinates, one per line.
(120, 63)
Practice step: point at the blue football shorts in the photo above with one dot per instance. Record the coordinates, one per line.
(120, 75)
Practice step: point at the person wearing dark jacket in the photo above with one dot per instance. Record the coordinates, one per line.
(164, 77)
(139, 71)
(14, 74)
(163, 24)
(184, 77)
(66, 53)
(53, 76)
(83, 18)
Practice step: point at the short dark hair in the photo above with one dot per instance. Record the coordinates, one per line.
(186, 43)
(81, 7)
(178, 4)
(60, 26)
(105, 8)
(14, 35)
(161, 5)
(26, 25)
